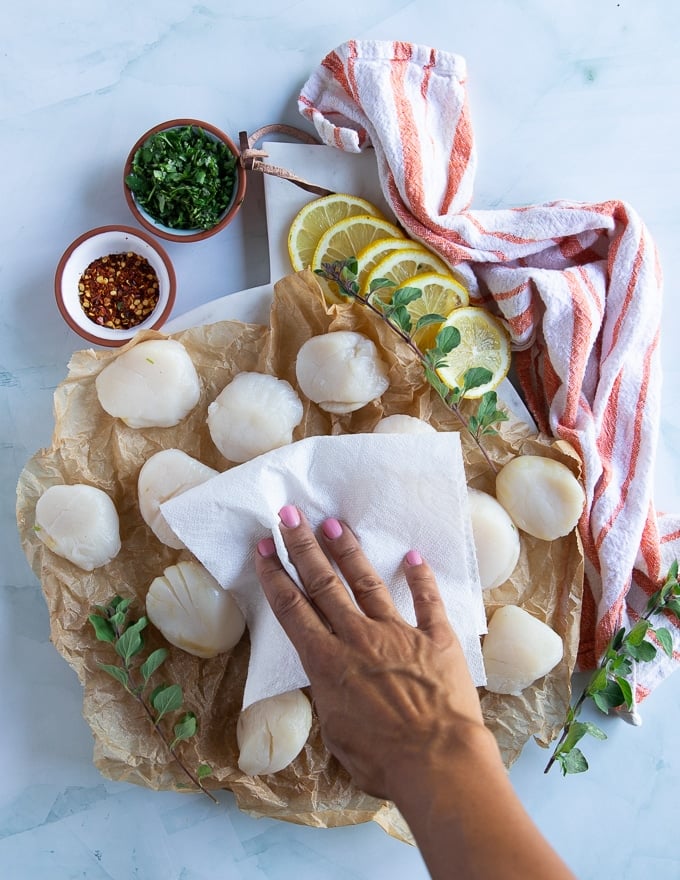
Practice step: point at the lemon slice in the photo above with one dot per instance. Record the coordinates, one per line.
(441, 294)
(310, 223)
(484, 342)
(350, 236)
(397, 266)
(371, 255)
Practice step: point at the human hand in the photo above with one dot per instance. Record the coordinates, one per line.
(390, 697)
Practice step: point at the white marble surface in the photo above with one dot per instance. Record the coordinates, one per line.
(575, 100)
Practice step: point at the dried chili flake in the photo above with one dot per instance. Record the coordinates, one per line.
(119, 291)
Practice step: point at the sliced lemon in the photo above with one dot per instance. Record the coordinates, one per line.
(369, 256)
(350, 236)
(484, 342)
(397, 266)
(441, 294)
(315, 218)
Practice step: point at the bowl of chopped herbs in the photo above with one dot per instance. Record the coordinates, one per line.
(183, 181)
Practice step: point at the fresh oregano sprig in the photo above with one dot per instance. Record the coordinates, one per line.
(609, 687)
(111, 625)
(394, 312)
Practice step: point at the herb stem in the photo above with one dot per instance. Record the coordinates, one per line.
(333, 272)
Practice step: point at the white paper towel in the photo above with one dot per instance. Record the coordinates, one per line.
(396, 491)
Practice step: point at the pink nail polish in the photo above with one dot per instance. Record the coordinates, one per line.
(266, 548)
(331, 528)
(414, 558)
(289, 516)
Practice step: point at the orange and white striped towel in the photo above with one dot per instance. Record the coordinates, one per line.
(578, 284)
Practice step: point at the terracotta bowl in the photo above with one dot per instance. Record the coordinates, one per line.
(101, 242)
(166, 232)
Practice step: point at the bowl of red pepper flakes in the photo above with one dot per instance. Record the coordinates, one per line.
(112, 282)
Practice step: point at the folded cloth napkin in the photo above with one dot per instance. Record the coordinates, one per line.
(397, 491)
(579, 286)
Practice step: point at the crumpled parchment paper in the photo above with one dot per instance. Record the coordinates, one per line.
(89, 446)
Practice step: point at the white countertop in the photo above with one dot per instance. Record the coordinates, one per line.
(574, 100)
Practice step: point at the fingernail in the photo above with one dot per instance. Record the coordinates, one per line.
(289, 516)
(266, 547)
(414, 558)
(331, 528)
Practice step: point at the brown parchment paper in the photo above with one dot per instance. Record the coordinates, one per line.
(88, 446)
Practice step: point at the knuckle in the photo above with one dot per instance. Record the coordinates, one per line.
(287, 601)
(320, 583)
(301, 545)
(367, 585)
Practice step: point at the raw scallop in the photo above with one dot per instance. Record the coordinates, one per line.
(518, 649)
(541, 495)
(254, 414)
(163, 476)
(80, 523)
(341, 371)
(193, 612)
(151, 385)
(272, 732)
(496, 539)
(403, 424)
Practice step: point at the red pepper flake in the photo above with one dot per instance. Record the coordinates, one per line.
(119, 291)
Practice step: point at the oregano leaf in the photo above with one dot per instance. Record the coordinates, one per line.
(131, 642)
(102, 628)
(152, 663)
(572, 762)
(166, 698)
(203, 770)
(116, 672)
(475, 377)
(665, 639)
(430, 318)
(185, 728)
(405, 295)
(447, 339)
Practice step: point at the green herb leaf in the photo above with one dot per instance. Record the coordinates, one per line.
(430, 318)
(203, 771)
(401, 318)
(610, 697)
(572, 762)
(447, 339)
(379, 284)
(166, 698)
(116, 672)
(102, 628)
(626, 690)
(405, 295)
(638, 632)
(185, 728)
(665, 639)
(152, 663)
(131, 642)
(475, 377)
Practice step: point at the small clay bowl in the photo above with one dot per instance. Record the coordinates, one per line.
(102, 242)
(171, 234)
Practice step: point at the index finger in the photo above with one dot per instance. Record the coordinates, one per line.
(291, 607)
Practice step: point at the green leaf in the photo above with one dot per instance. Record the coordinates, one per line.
(572, 762)
(665, 639)
(152, 663)
(447, 339)
(166, 698)
(185, 728)
(617, 640)
(594, 730)
(426, 320)
(379, 283)
(598, 682)
(627, 691)
(610, 697)
(102, 628)
(673, 605)
(643, 652)
(203, 771)
(117, 672)
(401, 318)
(405, 295)
(434, 380)
(131, 642)
(473, 424)
(474, 377)
(638, 632)
(673, 571)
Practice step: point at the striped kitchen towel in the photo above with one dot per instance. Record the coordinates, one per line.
(579, 286)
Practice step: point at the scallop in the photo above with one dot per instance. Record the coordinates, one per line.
(403, 424)
(496, 539)
(79, 523)
(193, 612)
(254, 414)
(163, 476)
(541, 495)
(518, 650)
(341, 371)
(272, 732)
(151, 385)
